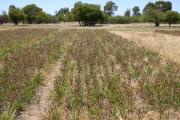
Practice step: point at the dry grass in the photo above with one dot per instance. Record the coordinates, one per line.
(20, 70)
(11, 40)
(167, 45)
(104, 76)
(170, 32)
(108, 77)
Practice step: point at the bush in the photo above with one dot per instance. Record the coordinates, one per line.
(137, 19)
(119, 20)
(87, 14)
(172, 17)
(16, 15)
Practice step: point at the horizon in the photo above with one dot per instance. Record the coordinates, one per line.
(50, 8)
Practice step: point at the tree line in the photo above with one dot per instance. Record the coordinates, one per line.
(91, 14)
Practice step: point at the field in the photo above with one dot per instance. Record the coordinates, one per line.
(64, 72)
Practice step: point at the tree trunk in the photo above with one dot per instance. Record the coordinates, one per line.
(1, 21)
(30, 21)
(169, 24)
(16, 23)
(80, 23)
(157, 24)
(85, 23)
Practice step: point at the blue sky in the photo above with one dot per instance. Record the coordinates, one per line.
(51, 5)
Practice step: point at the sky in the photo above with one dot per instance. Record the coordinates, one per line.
(50, 6)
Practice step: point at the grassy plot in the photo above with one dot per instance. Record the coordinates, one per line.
(11, 40)
(107, 77)
(21, 72)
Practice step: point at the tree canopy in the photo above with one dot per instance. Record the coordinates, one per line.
(172, 17)
(110, 8)
(63, 14)
(87, 14)
(90, 14)
(155, 12)
(16, 15)
(136, 11)
(127, 13)
(41, 17)
(163, 6)
(31, 11)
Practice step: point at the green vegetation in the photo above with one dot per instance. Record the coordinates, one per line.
(16, 15)
(136, 11)
(110, 8)
(172, 17)
(155, 12)
(33, 13)
(127, 13)
(87, 14)
(90, 14)
(64, 15)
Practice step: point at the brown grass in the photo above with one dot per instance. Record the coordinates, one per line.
(11, 40)
(170, 32)
(111, 78)
(167, 45)
(104, 76)
(20, 75)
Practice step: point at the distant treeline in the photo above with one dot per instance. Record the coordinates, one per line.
(91, 14)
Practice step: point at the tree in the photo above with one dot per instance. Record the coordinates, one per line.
(12, 6)
(16, 15)
(3, 17)
(163, 6)
(172, 17)
(1, 20)
(110, 8)
(63, 11)
(41, 17)
(136, 11)
(53, 19)
(127, 13)
(31, 11)
(63, 14)
(87, 14)
(153, 13)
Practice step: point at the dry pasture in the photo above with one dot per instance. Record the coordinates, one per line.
(165, 42)
(104, 73)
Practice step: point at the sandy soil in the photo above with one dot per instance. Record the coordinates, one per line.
(167, 45)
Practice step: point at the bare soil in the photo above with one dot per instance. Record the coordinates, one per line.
(42, 101)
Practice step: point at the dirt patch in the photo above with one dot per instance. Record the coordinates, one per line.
(42, 101)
